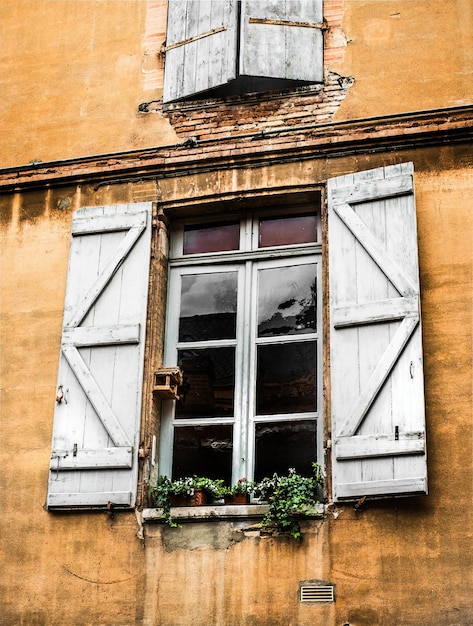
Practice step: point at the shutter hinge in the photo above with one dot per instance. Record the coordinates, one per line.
(184, 42)
(269, 22)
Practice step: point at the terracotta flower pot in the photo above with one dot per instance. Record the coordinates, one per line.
(237, 498)
(198, 499)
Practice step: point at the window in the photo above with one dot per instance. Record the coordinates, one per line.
(244, 324)
(223, 47)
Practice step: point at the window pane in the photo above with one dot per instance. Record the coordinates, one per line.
(203, 450)
(208, 306)
(287, 230)
(286, 300)
(211, 238)
(280, 446)
(286, 378)
(207, 389)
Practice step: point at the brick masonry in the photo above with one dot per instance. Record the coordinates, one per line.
(215, 118)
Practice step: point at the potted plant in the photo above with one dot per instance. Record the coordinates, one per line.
(187, 491)
(289, 497)
(240, 492)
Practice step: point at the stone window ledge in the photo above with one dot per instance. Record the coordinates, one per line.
(209, 512)
(215, 512)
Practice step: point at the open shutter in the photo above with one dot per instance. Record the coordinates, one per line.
(97, 414)
(201, 46)
(282, 39)
(377, 400)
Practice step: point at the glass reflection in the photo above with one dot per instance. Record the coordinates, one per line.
(208, 306)
(209, 376)
(287, 230)
(286, 300)
(280, 446)
(286, 378)
(211, 238)
(204, 451)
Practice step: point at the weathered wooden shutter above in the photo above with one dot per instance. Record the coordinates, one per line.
(377, 390)
(210, 43)
(282, 39)
(201, 46)
(97, 414)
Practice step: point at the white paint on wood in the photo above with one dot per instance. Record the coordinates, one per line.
(210, 43)
(375, 250)
(92, 459)
(393, 487)
(95, 396)
(359, 447)
(105, 276)
(378, 377)
(274, 45)
(376, 190)
(372, 312)
(90, 500)
(201, 42)
(96, 425)
(101, 335)
(375, 340)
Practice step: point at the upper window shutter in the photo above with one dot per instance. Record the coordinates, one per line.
(377, 399)
(201, 46)
(97, 414)
(282, 39)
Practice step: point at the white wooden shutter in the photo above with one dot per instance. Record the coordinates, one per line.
(96, 423)
(201, 46)
(282, 39)
(377, 400)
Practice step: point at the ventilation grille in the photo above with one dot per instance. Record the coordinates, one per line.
(317, 594)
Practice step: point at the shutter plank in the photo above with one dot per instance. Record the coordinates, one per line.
(92, 459)
(372, 312)
(393, 487)
(379, 445)
(282, 39)
(375, 341)
(376, 190)
(90, 500)
(102, 335)
(201, 46)
(88, 225)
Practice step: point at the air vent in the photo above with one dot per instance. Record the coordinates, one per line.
(316, 594)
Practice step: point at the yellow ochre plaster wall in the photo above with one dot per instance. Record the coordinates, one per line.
(393, 562)
(73, 74)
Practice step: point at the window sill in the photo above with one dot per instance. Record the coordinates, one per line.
(208, 512)
(216, 513)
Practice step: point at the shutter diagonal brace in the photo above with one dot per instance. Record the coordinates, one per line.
(375, 250)
(95, 396)
(378, 312)
(102, 281)
(378, 377)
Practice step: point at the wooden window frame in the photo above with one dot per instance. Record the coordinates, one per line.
(247, 260)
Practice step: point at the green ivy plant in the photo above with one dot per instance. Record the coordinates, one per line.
(288, 498)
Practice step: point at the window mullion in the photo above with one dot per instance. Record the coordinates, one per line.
(241, 461)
